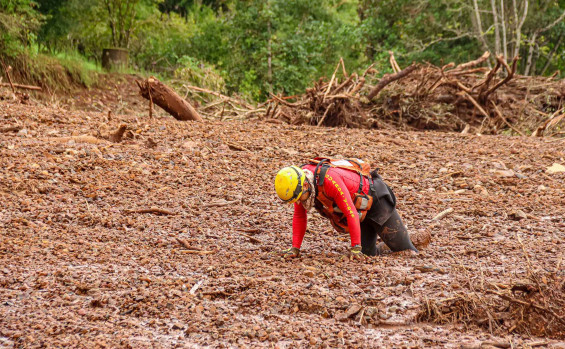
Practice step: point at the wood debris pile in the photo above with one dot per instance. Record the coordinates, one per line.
(468, 97)
(534, 307)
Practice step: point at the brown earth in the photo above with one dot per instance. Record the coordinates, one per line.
(82, 265)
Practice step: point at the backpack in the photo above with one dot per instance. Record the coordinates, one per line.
(351, 164)
(362, 201)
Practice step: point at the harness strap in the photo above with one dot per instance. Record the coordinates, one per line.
(319, 177)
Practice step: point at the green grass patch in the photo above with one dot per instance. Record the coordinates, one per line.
(63, 72)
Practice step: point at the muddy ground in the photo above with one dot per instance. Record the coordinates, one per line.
(169, 238)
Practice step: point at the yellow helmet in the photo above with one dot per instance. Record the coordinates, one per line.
(289, 182)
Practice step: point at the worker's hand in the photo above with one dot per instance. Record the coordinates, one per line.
(355, 253)
(292, 252)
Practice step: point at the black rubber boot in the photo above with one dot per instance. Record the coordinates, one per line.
(395, 235)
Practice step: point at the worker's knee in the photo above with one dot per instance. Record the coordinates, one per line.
(369, 250)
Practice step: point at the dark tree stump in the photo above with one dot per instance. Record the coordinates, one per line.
(114, 58)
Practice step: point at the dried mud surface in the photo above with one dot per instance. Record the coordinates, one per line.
(81, 265)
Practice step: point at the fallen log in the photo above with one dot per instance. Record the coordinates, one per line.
(388, 78)
(162, 95)
(23, 87)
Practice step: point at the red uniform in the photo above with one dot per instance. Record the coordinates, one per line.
(339, 185)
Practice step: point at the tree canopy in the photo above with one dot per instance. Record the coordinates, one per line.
(280, 46)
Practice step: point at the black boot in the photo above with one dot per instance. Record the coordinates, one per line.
(395, 235)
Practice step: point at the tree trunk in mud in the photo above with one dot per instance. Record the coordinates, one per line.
(162, 95)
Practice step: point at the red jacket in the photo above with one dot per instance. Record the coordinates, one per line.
(340, 185)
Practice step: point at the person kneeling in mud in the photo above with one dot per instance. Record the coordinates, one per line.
(354, 198)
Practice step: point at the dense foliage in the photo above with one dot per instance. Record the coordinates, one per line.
(280, 46)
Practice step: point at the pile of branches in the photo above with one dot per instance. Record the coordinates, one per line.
(466, 97)
(535, 306)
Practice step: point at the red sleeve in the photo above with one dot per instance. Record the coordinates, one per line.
(336, 189)
(299, 221)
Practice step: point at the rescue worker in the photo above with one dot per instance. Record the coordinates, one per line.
(355, 199)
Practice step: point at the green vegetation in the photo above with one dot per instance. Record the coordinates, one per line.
(254, 47)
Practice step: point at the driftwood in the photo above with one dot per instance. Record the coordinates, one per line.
(162, 95)
(388, 78)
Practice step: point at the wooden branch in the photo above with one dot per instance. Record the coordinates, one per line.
(368, 70)
(78, 139)
(388, 78)
(217, 94)
(553, 120)
(325, 114)
(185, 243)
(150, 105)
(7, 71)
(499, 113)
(393, 63)
(343, 67)
(23, 87)
(197, 252)
(331, 81)
(249, 237)
(467, 72)
(169, 100)
(10, 129)
(154, 210)
(442, 214)
(235, 146)
(358, 86)
(221, 203)
(488, 79)
(288, 104)
(510, 74)
(474, 102)
(343, 84)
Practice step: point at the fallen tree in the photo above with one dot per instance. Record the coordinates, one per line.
(162, 95)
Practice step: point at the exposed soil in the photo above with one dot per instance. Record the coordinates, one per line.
(169, 237)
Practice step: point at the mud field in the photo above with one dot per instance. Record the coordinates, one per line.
(168, 238)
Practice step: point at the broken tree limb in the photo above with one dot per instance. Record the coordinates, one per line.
(221, 203)
(78, 139)
(202, 253)
(358, 86)
(7, 71)
(154, 210)
(249, 237)
(474, 102)
(474, 63)
(169, 100)
(23, 87)
(554, 119)
(442, 214)
(509, 74)
(325, 114)
(499, 113)
(393, 63)
(388, 78)
(331, 81)
(217, 94)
